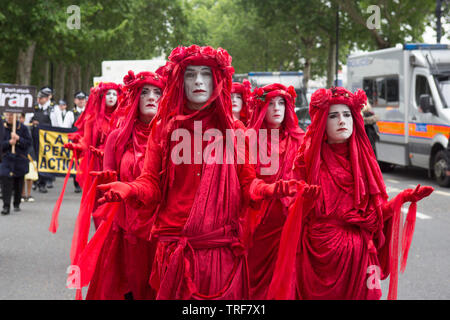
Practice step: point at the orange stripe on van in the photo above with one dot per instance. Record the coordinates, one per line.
(417, 130)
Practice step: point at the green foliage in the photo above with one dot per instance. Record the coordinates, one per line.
(260, 35)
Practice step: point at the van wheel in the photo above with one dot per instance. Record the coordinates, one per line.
(440, 167)
(386, 167)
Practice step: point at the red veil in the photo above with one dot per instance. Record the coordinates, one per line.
(112, 283)
(263, 225)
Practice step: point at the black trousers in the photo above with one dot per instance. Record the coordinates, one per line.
(11, 186)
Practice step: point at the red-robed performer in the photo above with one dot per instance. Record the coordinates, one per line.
(274, 112)
(240, 95)
(350, 236)
(125, 260)
(199, 253)
(87, 144)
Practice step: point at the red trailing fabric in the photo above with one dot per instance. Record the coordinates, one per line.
(79, 295)
(283, 281)
(82, 225)
(88, 258)
(54, 221)
(408, 232)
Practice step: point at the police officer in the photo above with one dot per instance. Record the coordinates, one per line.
(14, 166)
(80, 103)
(41, 117)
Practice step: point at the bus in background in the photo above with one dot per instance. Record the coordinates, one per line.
(408, 88)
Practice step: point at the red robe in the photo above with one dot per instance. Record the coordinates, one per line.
(338, 256)
(268, 222)
(126, 258)
(199, 255)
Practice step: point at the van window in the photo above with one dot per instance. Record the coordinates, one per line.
(422, 87)
(382, 91)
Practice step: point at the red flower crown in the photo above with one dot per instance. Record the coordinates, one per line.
(131, 80)
(324, 98)
(200, 55)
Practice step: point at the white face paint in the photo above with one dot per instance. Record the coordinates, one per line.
(236, 104)
(198, 85)
(275, 112)
(111, 98)
(339, 123)
(149, 100)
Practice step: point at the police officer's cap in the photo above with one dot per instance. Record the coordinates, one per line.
(62, 102)
(80, 95)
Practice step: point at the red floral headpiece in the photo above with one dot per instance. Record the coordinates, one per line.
(263, 95)
(324, 98)
(105, 86)
(196, 55)
(132, 81)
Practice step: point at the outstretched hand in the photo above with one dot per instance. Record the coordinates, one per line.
(104, 177)
(114, 192)
(418, 193)
(98, 152)
(311, 191)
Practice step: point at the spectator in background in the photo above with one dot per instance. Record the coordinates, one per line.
(32, 174)
(80, 103)
(41, 116)
(61, 117)
(14, 166)
(79, 100)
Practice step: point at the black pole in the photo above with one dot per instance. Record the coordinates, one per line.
(51, 75)
(337, 45)
(438, 21)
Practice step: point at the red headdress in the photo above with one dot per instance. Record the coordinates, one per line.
(244, 89)
(174, 98)
(368, 179)
(133, 85)
(260, 100)
(100, 112)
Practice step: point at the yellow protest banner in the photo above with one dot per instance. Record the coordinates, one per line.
(53, 157)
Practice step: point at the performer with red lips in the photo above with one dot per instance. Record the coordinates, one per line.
(274, 110)
(240, 94)
(199, 253)
(349, 237)
(125, 260)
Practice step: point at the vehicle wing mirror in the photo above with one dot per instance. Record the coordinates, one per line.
(427, 104)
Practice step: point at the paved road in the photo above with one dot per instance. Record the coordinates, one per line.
(33, 262)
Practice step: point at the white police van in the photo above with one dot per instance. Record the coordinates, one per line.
(408, 88)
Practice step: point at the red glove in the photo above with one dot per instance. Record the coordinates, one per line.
(77, 148)
(114, 192)
(98, 152)
(104, 177)
(74, 136)
(417, 194)
(279, 189)
(311, 191)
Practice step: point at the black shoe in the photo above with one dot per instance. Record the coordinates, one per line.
(5, 211)
(17, 209)
(42, 189)
(77, 189)
(49, 184)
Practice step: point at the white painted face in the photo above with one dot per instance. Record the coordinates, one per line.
(111, 98)
(339, 123)
(275, 112)
(149, 100)
(236, 103)
(198, 85)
